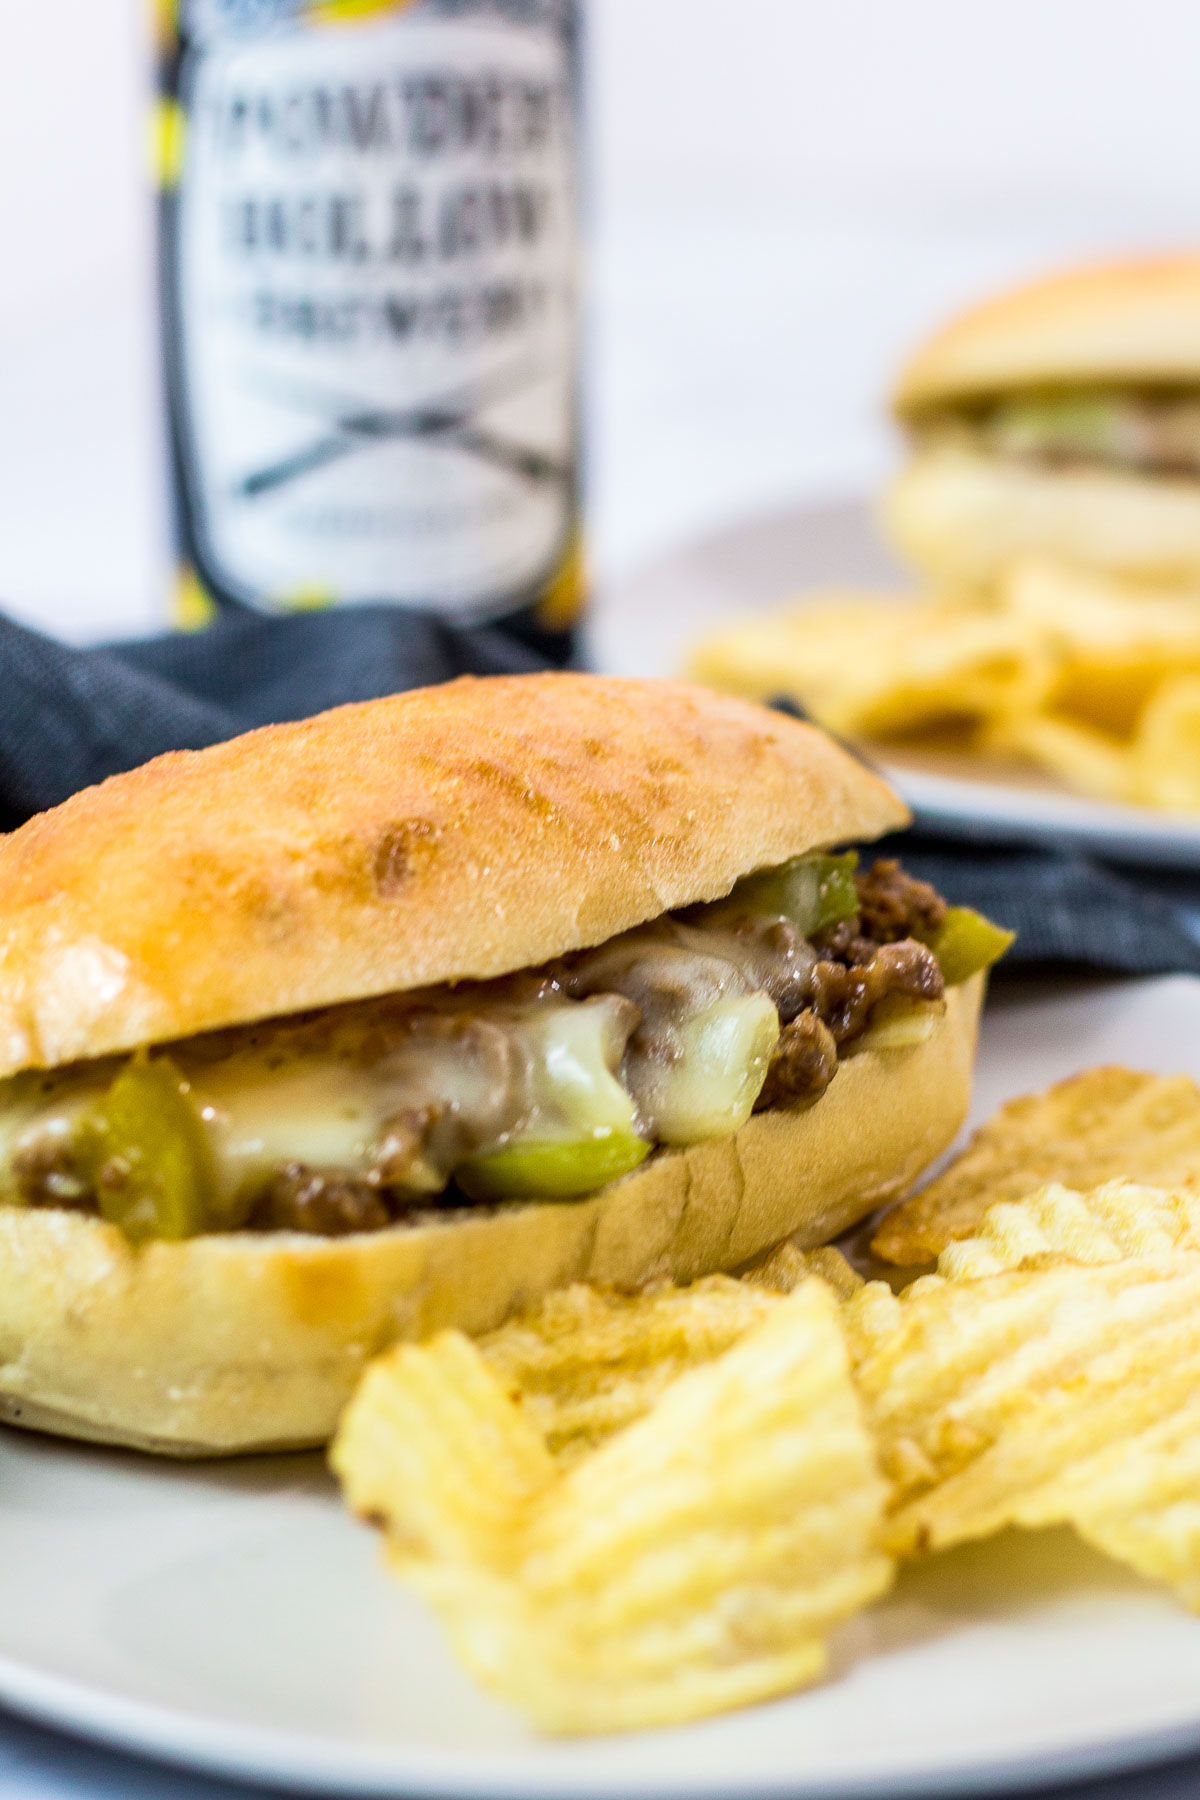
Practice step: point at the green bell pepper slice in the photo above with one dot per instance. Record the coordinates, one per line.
(145, 1152)
(968, 942)
(812, 891)
(547, 1170)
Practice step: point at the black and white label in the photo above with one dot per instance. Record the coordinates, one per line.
(375, 280)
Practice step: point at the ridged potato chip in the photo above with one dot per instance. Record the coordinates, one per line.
(879, 665)
(1049, 1373)
(1113, 641)
(589, 1361)
(1092, 679)
(1119, 1221)
(1156, 764)
(786, 1267)
(1083, 757)
(695, 1561)
(1168, 746)
(1092, 1128)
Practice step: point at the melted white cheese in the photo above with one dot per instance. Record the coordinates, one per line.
(666, 1036)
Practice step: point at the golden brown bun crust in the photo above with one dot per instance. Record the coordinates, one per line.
(960, 516)
(245, 1342)
(1125, 322)
(459, 831)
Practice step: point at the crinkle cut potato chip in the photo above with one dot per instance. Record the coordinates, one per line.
(1120, 1221)
(1048, 1374)
(635, 1510)
(1098, 1125)
(1091, 678)
(882, 665)
(1114, 641)
(695, 1561)
(589, 1361)
(1169, 745)
(1088, 760)
(786, 1266)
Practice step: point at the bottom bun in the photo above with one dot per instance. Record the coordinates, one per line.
(254, 1341)
(961, 516)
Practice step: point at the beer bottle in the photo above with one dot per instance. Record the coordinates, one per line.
(367, 260)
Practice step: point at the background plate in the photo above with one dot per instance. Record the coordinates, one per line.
(231, 1617)
(644, 626)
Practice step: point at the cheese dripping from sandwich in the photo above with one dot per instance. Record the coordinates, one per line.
(547, 1084)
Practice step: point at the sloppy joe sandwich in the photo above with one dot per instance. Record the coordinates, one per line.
(403, 1016)
(1062, 419)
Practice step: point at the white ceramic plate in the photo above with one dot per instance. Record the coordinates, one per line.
(644, 626)
(232, 1618)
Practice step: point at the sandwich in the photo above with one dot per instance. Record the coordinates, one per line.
(401, 1017)
(1061, 420)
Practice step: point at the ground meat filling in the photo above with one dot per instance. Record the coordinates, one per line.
(847, 993)
(803, 1065)
(45, 1176)
(462, 1077)
(894, 905)
(327, 1205)
(862, 960)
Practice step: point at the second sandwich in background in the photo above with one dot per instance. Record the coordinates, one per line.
(1060, 420)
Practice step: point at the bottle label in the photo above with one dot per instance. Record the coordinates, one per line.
(373, 268)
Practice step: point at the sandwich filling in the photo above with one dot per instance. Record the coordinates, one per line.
(546, 1084)
(1153, 430)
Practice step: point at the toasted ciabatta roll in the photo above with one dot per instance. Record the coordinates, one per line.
(1061, 419)
(390, 1020)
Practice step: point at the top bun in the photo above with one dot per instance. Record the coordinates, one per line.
(453, 832)
(1128, 322)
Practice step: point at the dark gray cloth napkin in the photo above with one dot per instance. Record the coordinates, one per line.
(70, 716)
(1063, 908)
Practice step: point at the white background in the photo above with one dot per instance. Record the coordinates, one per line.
(783, 193)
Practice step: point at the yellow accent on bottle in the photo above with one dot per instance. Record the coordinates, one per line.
(193, 607)
(350, 12)
(306, 599)
(168, 136)
(164, 16)
(563, 597)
